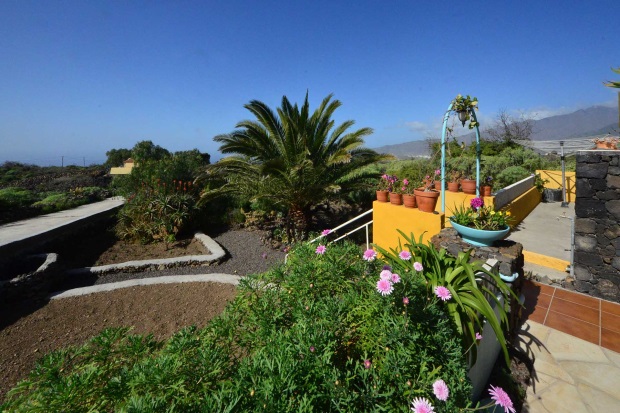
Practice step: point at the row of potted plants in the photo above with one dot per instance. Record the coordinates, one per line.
(411, 194)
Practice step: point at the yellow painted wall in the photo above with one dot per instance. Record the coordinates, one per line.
(555, 182)
(522, 206)
(122, 170)
(388, 218)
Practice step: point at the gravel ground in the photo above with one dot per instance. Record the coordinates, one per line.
(246, 254)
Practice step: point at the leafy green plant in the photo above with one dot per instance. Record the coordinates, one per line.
(463, 106)
(313, 335)
(479, 216)
(16, 197)
(471, 287)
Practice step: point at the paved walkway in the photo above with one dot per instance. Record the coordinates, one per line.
(19, 235)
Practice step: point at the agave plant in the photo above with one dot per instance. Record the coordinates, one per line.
(472, 287)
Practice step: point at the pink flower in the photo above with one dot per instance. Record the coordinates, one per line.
(403, 188)
(311, 349)
(369, 255)
(443, 293)
(404, 255)
(321, 249)
(395, 278)
(417, 266)
(367, 364)
(385, 287)
(437, 171)
(421, 405)
(406, 300)
(405, 181)
(477, 203)
(326, 232)
(500, 398)
(478, 336)
(385, 275)
(440, 388)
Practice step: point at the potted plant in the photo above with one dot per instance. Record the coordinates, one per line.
(396, 193)
(480, 225)
(608, 142)
(426, 196)
(453, 180)
(463, 106)
(384, 187)
(408, 195)
(487, 186)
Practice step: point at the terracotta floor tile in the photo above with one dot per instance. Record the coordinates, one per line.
(609, 307)
(610, 339)
(573, 326)
(545, 289)
(538, 314)
(580, 312)
(577, 298)
(540, 300)
(610, 321)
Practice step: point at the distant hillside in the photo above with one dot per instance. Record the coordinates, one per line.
(596, 120)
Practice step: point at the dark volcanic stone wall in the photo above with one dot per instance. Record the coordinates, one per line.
(597, 224)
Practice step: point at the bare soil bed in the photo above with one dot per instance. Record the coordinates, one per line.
(31, 329)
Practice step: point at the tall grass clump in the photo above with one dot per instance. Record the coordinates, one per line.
(321, 333)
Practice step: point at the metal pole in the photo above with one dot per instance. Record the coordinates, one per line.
(443, 158)
(564, 203)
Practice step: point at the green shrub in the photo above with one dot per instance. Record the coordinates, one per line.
(313, 335)
(510, 175)
(16, 198)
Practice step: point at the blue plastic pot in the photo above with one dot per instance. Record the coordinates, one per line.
(479, 237)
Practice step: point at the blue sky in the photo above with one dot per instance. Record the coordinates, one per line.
(78, 78)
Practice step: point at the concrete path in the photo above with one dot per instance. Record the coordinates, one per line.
(570, 374)
(19, 235)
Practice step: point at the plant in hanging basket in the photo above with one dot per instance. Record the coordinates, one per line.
(463, 106)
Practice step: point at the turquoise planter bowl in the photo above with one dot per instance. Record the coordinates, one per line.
(479, 237)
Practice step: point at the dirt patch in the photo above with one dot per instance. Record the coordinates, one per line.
(158, 309)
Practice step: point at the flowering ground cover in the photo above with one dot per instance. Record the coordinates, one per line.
(317, 334)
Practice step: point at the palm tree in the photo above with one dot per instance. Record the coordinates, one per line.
(293, 158)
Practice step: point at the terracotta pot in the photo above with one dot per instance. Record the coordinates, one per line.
(438, 185)
(468, 186)
(409, 200)
(396, 199)
(426, 200)
(453, 186)
(382, 196)
(486, 190)
(605, 145)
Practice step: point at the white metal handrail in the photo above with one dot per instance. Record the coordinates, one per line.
(366, 225)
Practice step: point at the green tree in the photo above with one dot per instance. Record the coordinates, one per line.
(147, 150)
(293, 158)
(116, 157)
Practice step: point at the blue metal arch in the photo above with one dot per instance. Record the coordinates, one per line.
(472, 113)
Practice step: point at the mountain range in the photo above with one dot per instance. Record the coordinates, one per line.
(595, 120)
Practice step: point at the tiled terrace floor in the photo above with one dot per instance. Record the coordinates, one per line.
(581, 316)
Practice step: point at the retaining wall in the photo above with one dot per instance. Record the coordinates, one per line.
(597, 228)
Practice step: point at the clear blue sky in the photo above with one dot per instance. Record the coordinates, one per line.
(78, 78)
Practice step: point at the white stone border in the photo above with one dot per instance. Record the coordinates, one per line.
(169, 279)
(217, 253)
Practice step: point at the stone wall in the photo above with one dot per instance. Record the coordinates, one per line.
(597, 229)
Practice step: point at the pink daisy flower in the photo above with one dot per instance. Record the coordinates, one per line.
(326, 232)
(369, 255)
(367, 364)
(405, 181)
(321, 249)
(405, 300)
(421, 405)
(385, 287)
(501, 398)
(440, 388)
(404, 255)
(478, 336)
(417, 266)
(386, 275)
(443, 293)
(395, 278)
